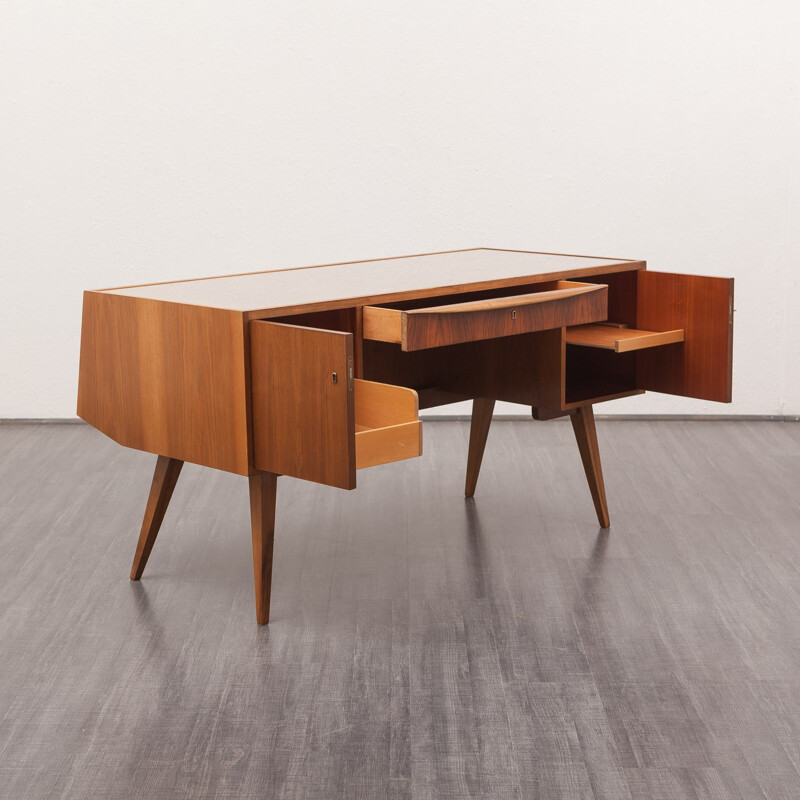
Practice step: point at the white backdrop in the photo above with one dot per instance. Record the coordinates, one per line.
(150, 140)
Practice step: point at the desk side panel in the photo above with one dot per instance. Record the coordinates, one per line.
(167, 379)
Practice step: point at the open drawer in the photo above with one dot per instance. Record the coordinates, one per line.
(620, 338)
(386, 422)
(554, 304)
(312, 419)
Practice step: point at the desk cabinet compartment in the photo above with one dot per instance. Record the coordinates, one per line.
(312, 419)
(434, 323)
(620, 338)
(675, 337)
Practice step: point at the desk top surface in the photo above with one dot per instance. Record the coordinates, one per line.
(379, 280)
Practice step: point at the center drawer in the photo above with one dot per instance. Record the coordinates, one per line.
(555, 304)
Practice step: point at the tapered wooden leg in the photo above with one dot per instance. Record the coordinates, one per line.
(586, 435)
(263, 492)
(164, 479)
(478, 431)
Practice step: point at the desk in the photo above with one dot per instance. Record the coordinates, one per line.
(316, 372)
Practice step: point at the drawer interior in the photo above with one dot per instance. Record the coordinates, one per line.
(619, 337)
(387, 425)
(312, 418)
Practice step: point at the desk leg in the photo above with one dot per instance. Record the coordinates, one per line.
(586, 436)
(478, 431)
(164, 479)
(263, 493)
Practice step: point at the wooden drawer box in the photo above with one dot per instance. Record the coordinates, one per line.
(387, 423)
(554, 304)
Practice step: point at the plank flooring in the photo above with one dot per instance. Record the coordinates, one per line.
(421, 645)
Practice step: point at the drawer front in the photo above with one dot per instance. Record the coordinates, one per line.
(387, 423)
(566, 303)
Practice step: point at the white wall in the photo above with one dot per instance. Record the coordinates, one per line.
(150, 140)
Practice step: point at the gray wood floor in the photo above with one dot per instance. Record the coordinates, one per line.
(421, 645)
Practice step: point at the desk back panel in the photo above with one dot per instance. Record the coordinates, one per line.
(166, 378)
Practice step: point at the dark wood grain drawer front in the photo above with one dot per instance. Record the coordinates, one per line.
(555, 305)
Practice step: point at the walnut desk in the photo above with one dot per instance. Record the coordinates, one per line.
(316, 372)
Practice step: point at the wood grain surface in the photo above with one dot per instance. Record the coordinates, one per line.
(378, 446)
(263, 489)
(620, 340)
(562, 303)
(166, 474)
(437, 327)
(168, 379)
(303, 408)
(480, 423)
(702, 366)
(583, 425)
(386, 423)
(421, 645)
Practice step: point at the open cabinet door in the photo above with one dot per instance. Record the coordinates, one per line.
(303, 406)
(702, 365)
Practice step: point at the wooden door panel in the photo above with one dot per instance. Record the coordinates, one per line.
(701, 366)
(303, 417)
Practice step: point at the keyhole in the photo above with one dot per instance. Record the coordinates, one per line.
(335, 377)
(514, 314)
